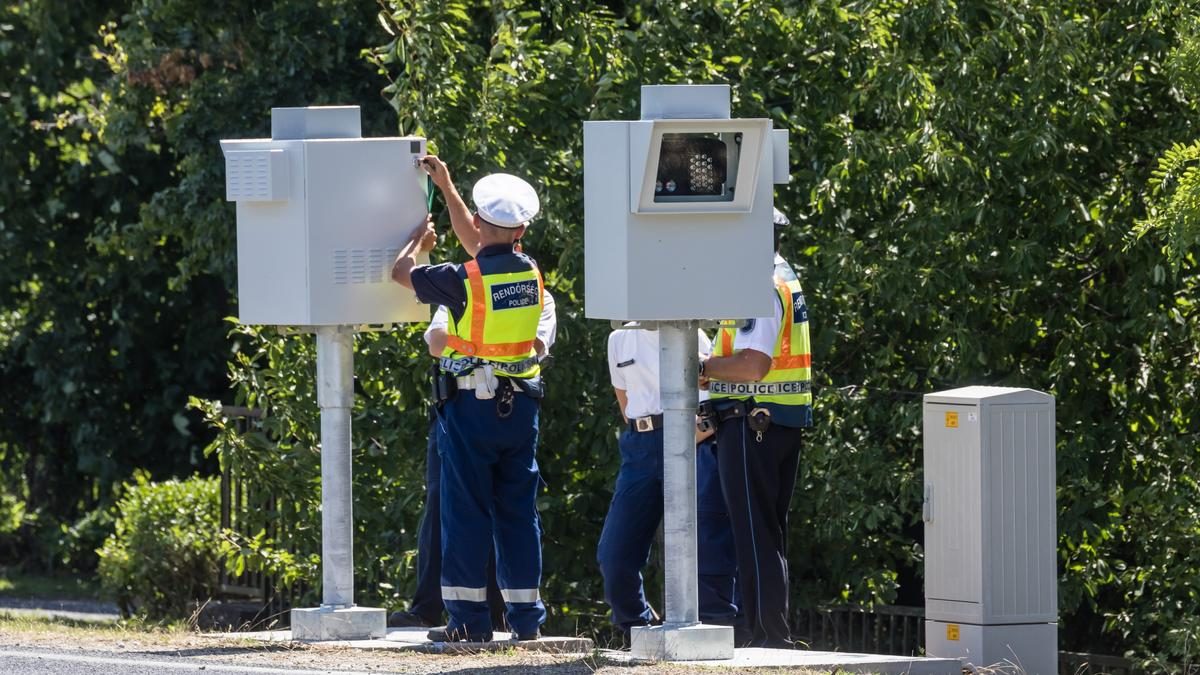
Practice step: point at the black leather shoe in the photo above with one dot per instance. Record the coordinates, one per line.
(527, 637)
(444, 634)
(408, 619)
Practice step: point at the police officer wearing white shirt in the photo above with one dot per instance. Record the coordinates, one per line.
(760, 380)
(426, 607)
(637, 504)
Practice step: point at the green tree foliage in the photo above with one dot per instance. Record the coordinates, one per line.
(965, 174)
(162, 558)
(97, 356)
(118, 245)
(1174, 205)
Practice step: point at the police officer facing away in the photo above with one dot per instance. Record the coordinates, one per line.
(760, 379)
(488, 389)
(426, 607)
(637, 503)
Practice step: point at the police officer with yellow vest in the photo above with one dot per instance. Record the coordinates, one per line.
(488, 396)
(760, 381)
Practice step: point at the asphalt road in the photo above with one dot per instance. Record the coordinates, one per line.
(49, 662)
(75, 610)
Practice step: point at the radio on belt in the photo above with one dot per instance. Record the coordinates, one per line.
(673, 199)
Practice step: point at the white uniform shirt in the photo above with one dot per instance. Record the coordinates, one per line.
(547, 329)
(761, 334)
(633, 367)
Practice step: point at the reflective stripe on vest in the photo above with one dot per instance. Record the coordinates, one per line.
(466, 365)
(502, 331)
(789, 381)
(758, 388)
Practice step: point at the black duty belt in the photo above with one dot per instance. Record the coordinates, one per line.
(446, 385)
(759, 388)
(734, 410)
(646, 424)
(758, 417)
(465, 365)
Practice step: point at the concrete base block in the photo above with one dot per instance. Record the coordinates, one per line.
(352, 623)
(698, 642)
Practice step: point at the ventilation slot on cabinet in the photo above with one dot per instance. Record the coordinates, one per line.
(256, 175)
(341, 274)
(362, 265)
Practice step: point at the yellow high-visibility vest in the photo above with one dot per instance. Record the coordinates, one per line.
(789, 382)
(500, 322)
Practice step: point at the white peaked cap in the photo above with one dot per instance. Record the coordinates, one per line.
(504, 200)
(781, 220)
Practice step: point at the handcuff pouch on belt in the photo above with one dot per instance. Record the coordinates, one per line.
(758, 418)
(509, 386)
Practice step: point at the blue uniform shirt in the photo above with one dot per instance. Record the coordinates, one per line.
(443, 284)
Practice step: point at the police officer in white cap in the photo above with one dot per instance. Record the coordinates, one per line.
(487, 397)
(426, 607)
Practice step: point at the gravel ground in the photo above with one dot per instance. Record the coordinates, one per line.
(29, 635)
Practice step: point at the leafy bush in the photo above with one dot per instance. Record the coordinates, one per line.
(76, 546)
(164, 554)
(12, 513)
(12, 516)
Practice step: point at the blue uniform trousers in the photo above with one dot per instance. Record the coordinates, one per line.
(717, 564)
(427, 600)
(489, 487)
(757, 478)
(632, 522)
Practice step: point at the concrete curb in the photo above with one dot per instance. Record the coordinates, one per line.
(414, 640)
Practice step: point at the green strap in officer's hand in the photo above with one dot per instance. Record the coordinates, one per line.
(428, 193)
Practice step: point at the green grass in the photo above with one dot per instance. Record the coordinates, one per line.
(14, 584)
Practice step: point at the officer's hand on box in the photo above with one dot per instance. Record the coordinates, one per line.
(427, 235)
(437, 171)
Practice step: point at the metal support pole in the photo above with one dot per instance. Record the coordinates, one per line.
(338, 618)
(681, 637)
(335, 395)
(677, 368)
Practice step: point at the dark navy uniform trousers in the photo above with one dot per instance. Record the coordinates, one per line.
(632, 522)
(489, 487)
(427, 599)
(757, 479)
